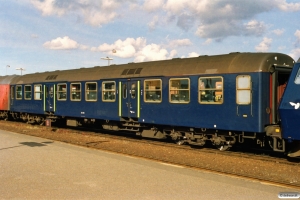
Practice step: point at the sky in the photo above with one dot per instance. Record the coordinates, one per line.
(48, 35)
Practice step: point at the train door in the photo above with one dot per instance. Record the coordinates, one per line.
(49, 97)
(278, 81)
(129, 98)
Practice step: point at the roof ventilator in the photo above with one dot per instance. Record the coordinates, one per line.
(131, 71)
(51, 77)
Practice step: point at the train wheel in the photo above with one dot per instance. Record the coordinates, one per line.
(180, 142)
(223, 147)
(220, 143)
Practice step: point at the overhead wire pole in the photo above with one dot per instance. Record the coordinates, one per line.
(22, 69)
(108, 59)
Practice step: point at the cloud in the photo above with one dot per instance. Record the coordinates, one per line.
(185, 21)
(254, 27)
(289, 7)
(207, 41)
(223, 18)
(153, 5)
(297, 34)
(193, 54)
(180, 42)
(47, 7)
(264, 45)
(172, 54)
(151, 52)
(61, 44)
(124, 49)
(278, 31)
(212, 19)
(95, 13)
(295, 54)
(137, 49)
(34, 36)
(152, 25)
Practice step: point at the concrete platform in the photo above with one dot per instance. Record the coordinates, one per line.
(36, 168)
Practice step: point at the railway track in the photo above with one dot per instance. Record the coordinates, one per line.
(232, 163)
(256, 154)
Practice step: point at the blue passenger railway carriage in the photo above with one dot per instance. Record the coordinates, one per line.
(222, 99)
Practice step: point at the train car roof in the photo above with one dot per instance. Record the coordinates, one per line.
(7, 79)
(217, 64)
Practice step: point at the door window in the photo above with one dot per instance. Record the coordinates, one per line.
(124, 90)
(243, 89)
(133, 90)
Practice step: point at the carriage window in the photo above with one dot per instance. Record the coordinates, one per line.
(297, 79)
(62, 91)
(19, 92)
(27, 92)
(37, 92)
(153, 90)
(210, 90)
(243, 89)
(133, 90)
(75, 91)
(91, 91)
(124, 90)
(179, 90)
(109, 91)
(12, 92)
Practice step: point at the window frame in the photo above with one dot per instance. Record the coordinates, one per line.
(109, 90)
(25, 92)
(20, 98)
(152, 90)
(87, 90)
(245, 89)
(35, 92)
(71, 91)
(61, 91)
(211, 89)
(189, 90)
